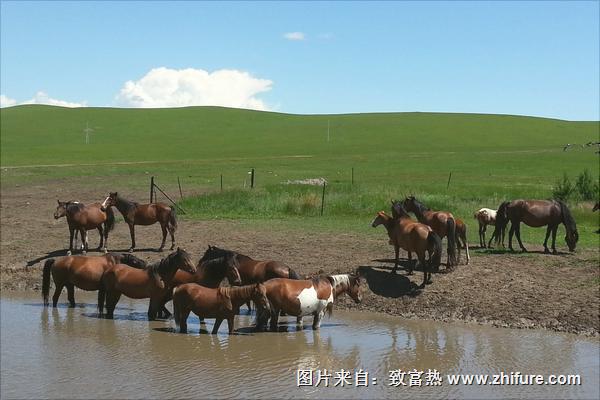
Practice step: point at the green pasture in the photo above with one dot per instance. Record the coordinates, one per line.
(491, 157)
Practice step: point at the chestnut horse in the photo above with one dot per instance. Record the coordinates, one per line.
(253, 271)
(461, 238)
(412, 236)
(307, 297)
(210, 272)
(81, 271)
(144, 214)
(536, 213)
(153, 282)
(82, 218)
(442, 223)
(220, 303)
(485, 217)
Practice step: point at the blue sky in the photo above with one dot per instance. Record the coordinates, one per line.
(527, 58)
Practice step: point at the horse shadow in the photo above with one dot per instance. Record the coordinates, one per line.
(77, 305)
(137, 250)
(245, 331)
(133, 316)
(386, 284)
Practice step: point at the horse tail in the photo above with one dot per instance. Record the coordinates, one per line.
(173, 218)
(101, 298)
(329, 309)
(176, 308)
(451, 232)
(46, 280)
(435, 244)
(293, 274)
(110, 221)
(501, 221)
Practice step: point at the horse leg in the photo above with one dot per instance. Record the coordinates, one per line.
(84, 241)
(510, 236)
(58, 288)
(101, 232)
(132, 233)
(518, 234)
(230, 323)
(163, 227)
(152, 309)
(172, 233)
(217, 325)
(396, 258)
(105, 249)
(249, 304)
(184, 313)
(71, 294)
(554, 229)
(299, 323)
(317, 316)
(112, 298)
(274, 319)
(548, 230)
(71, 233)
(481, 235)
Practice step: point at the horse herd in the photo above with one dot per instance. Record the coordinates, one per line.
(274, 287)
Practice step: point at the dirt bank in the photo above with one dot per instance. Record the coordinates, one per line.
(531, 290)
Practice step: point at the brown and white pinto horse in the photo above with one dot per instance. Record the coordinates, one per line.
(442, 222)
(250, 270)
(485, 217)
(82, 218)
(536, 213)
(220, 303)
(411, 236)
(144, 214)
(81, 271)
(307, 297)
(153, 282)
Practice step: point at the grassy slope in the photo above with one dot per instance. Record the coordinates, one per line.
(491, 157)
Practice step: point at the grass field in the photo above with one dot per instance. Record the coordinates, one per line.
(491, 158)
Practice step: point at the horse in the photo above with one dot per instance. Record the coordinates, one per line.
(442, 222)
(144, 214)
(219, 303)
(461, 238)
(307, 297)
(82, 218)
(253, 271)
(485, 217)
(153, 282)
(211, 269)
(412, 236)
(81, 271)
(536, 213)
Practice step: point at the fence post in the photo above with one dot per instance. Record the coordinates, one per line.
(449, 177)
(221, 182)
(151, 188)
(353, 175)
(180, 192)
(323, 198)
(252, 179)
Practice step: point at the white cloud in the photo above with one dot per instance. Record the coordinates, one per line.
(294, 36)
(43, 98)
(6, 101)
(165, 87)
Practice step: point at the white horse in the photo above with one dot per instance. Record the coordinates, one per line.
(485, 217)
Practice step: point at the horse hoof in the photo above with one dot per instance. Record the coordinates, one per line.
(105, 250)
(69, 252)
(84, 252)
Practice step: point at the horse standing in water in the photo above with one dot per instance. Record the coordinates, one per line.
(82, 218)
(307, 297)
(220, 303)
(81, 271)
(442, 223)
(153, 282)
(412, 236)
(144, 214)
(253, 271)
(536, 213)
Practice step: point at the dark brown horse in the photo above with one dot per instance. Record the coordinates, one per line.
(145, 214)
(442, 222)
(251, 270)
(307, 297)
(153, 282)
(536, 213)
(411, 236)
(82, 218)
(220, 303)
(81, 271)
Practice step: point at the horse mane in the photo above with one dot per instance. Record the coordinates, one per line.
(128, 204)
(219, 258)
(162, 265)
(420, 206)
(72, 206)
(567, 217)
(398, 210)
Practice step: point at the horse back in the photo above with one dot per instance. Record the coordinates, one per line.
(254, 271)
(534, 213)
(132, 282)
(412, 235)
(88, 217)
(299, 297)
(203, 301)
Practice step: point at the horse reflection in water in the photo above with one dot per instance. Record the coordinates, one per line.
(307, 297)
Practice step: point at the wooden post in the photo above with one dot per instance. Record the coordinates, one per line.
(252, 179)
(353, 175)
(151, 188)
(449, 177)
(221, 182)
(180, 192)
(323, 198)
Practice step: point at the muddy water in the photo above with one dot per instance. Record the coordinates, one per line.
(70, 353)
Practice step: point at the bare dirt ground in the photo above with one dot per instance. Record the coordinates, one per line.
(534, 290)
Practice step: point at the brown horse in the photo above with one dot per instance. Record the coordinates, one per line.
(412, 236)
(461, 238)
(81, 271)
(307, 297)
(253, 271)
(154, 282)
(82, 218)
(442, 222)
(144, 214)
(536, 213)
(210, 272)
(220, 303)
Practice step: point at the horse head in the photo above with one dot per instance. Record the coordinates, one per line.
(571, 238)
(259, 296)
(184, 260)
(355, 289)
(110, 201)
(380, 218)
(61, 209)
(232, 272)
